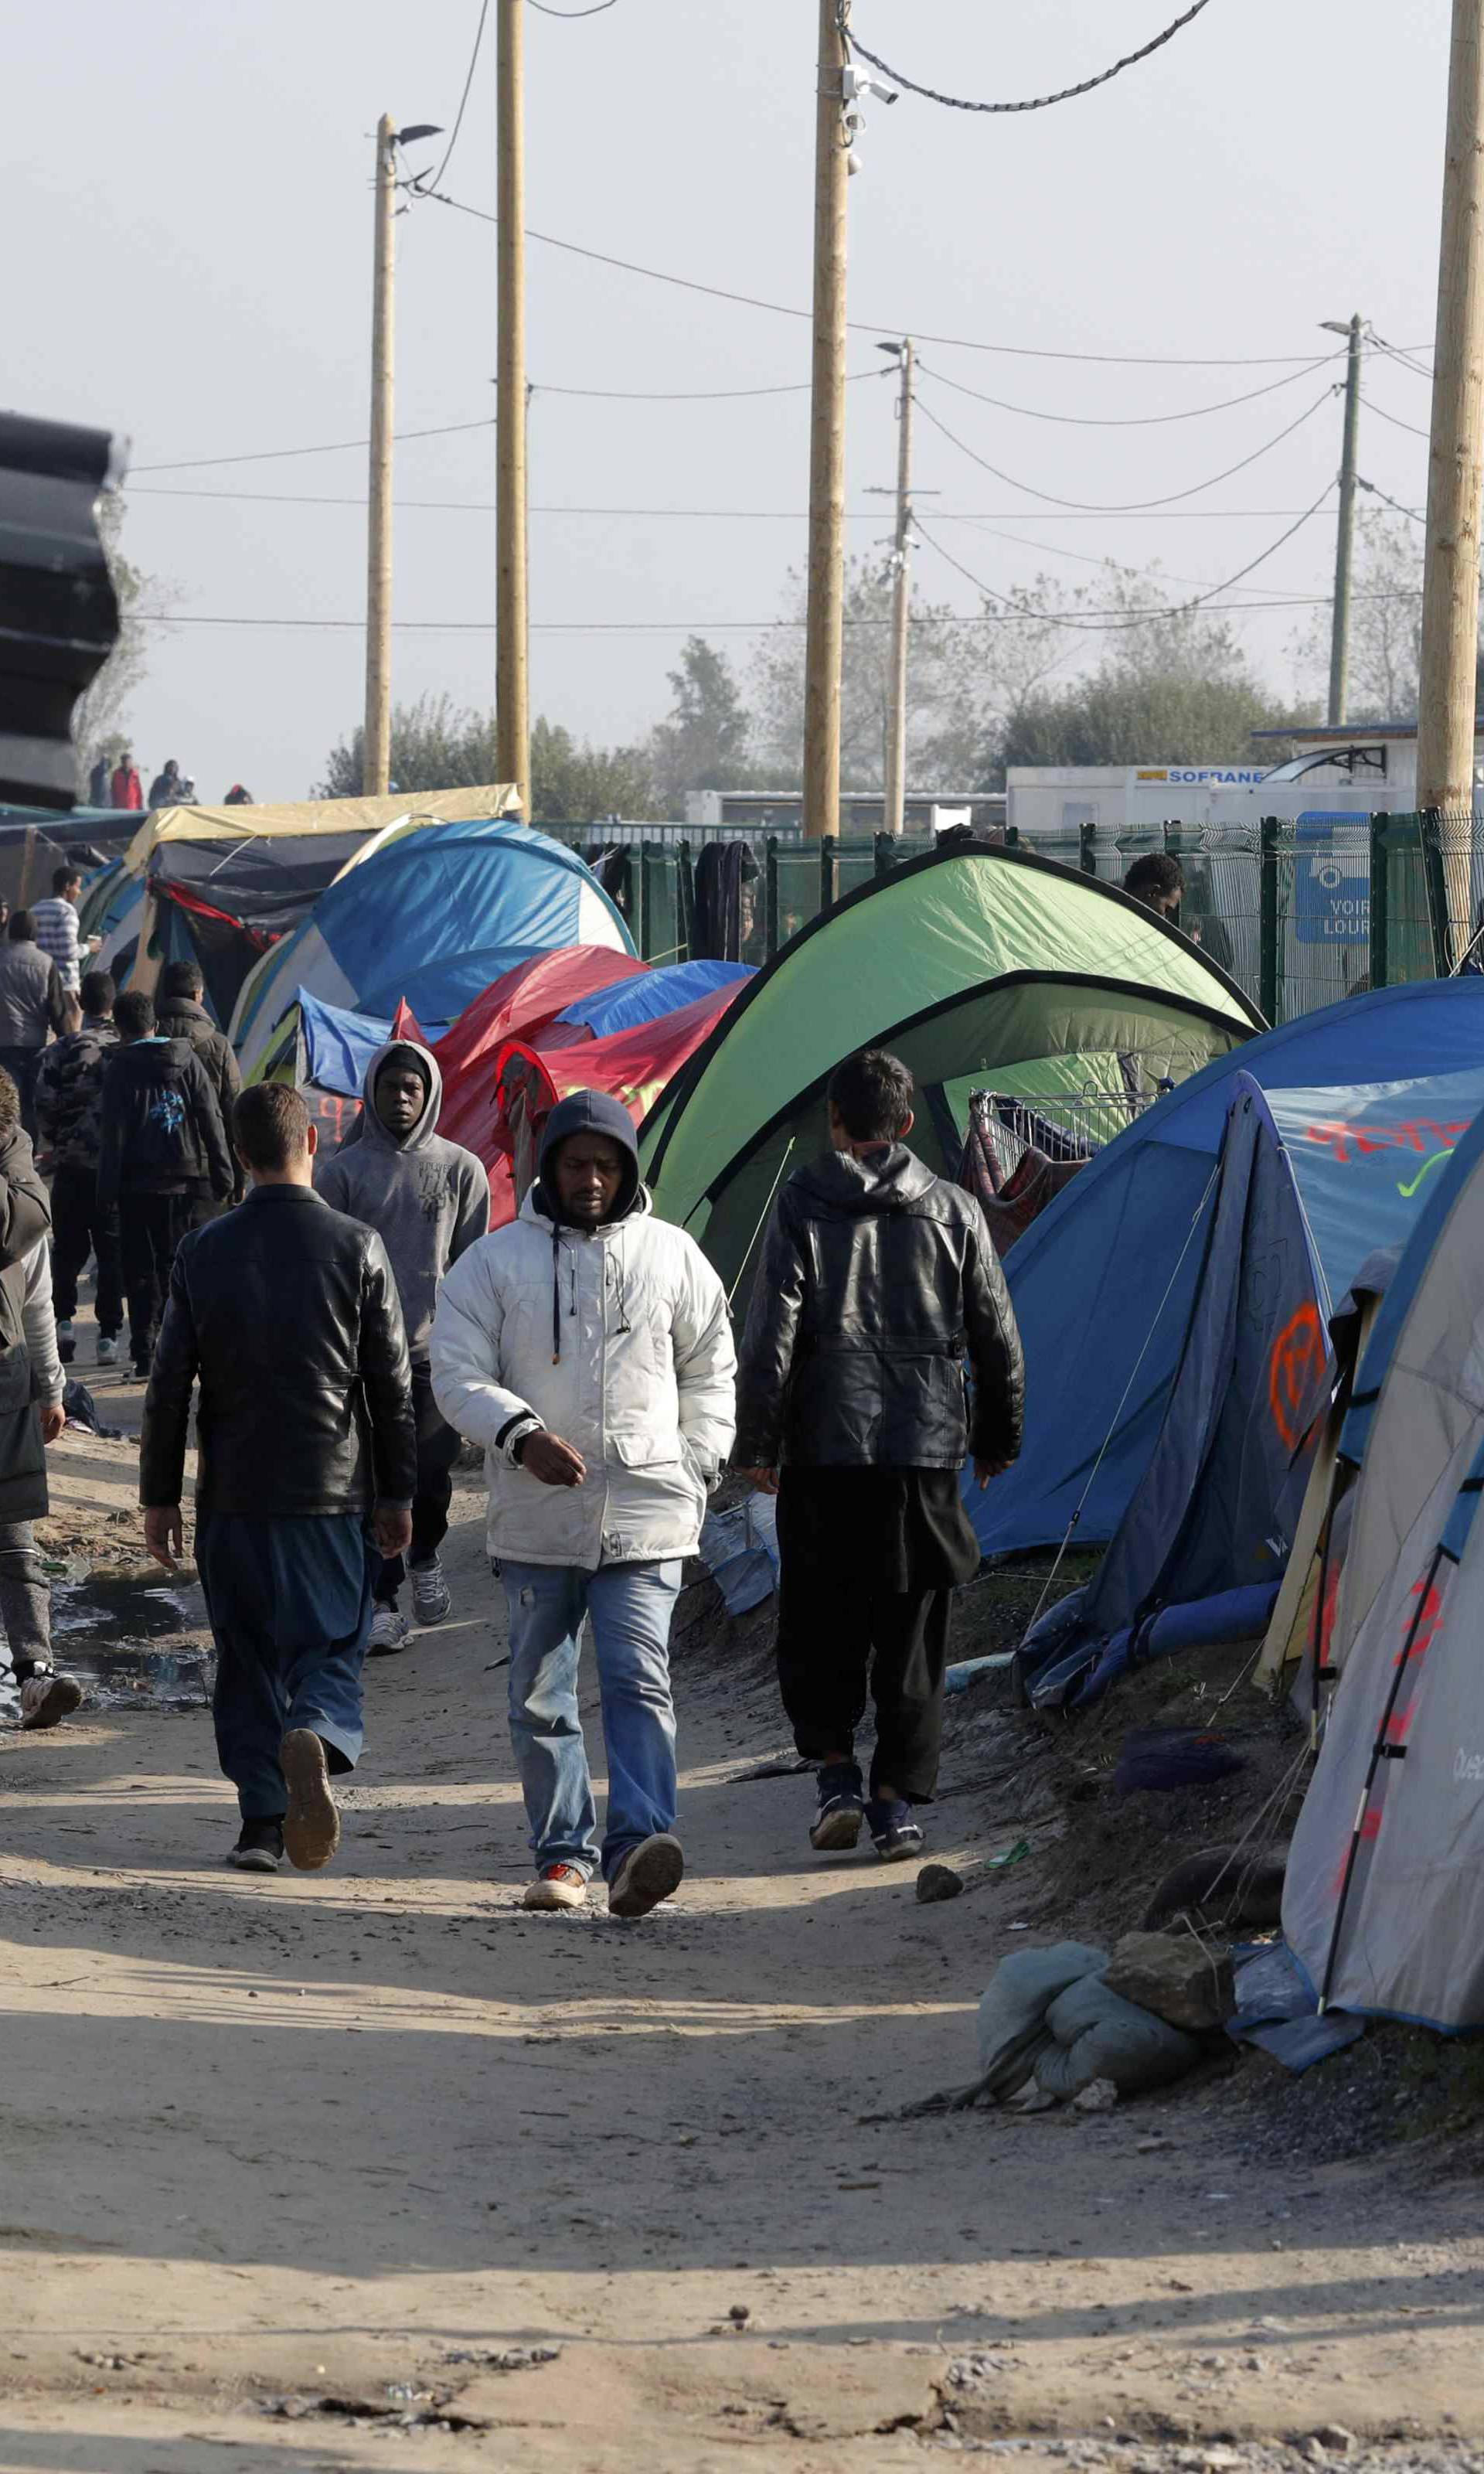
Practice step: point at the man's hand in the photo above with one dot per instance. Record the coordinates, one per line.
(765, 1480)
(162, 1533)
(54, 1416)
(555, 1463)
(392, 1528)
(984, 1470)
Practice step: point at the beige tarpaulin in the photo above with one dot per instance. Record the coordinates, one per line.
(319, 816)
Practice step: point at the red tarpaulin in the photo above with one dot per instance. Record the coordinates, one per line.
(526, 1083)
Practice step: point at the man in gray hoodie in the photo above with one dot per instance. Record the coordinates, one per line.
(428, 1202)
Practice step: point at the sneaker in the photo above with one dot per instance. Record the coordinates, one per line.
(67, 1343)
(107, 1350)
(894, 1833)
(649, 1873)
(560, 1885)
(259, 1849)
(430, 1598)
(46, 1697)
(311, 1824)
(837, 1823)
(389, 1632)
(141, 1370)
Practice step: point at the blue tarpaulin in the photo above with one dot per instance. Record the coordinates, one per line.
(1368, 1094)
(644, 997)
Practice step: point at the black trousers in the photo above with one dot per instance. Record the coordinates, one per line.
(149, 1228)
(437, 1448)
(82, 1227)
(868, 1561)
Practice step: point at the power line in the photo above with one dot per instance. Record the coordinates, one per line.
(711, 395)
(869, 326)
(1394, 421)
(1033, 102)
(1135, 506)
(1415, 513)
(596, 11)
(479, 36)
(1400, 353)
(742, 626)
(731, 515)
(1135, 420)
(1141, 618)
(335, 447)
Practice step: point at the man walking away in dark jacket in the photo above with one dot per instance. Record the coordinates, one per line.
(32, 999)
(428, 1202)
(181, 1014)
(31, 1417)
(162, 1160)
(286, 1314)
(878, 1303)
(69, 1104)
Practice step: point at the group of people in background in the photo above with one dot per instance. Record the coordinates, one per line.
(116, 783)
(350, 1321)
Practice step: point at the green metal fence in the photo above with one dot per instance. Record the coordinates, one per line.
(1300, 915)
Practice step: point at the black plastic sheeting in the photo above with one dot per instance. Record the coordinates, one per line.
(59, 616)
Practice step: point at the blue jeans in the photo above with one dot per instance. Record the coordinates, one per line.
(290, 1608)
(631, 1606)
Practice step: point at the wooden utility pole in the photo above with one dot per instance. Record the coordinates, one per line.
(902, 609)
(1345, 533)
(513, 707)
(1450, 573)
(377, 744)
(824, 636)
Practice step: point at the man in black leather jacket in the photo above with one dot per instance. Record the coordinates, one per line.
(880, 1351)
(287, 1313)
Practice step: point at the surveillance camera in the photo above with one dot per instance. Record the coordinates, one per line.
(855, 85)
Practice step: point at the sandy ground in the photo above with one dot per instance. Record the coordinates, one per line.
(295, 2169)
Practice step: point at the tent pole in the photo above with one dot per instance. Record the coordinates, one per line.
(1380, 1751)
(1319, 1606)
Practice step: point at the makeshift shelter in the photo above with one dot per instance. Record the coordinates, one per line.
(1369, 1097)
(433, 918)
(976, 965)
(633, 1064)
(222, 905)
(1383, 1900)
(1200, 1549)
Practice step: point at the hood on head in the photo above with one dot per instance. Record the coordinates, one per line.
(592, 1112)
(372, 1131)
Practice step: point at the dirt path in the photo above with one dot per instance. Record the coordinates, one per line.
(357, 2137)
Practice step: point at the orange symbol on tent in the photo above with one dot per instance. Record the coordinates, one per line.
(1298, 1359)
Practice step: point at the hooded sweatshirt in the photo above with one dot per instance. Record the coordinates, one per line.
(618, 1339)
(427, 1200)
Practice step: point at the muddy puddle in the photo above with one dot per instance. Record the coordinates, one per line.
(130, 1639)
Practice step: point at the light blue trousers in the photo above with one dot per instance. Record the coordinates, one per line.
(631, 1606)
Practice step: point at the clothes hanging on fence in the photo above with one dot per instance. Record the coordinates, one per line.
(721, 918)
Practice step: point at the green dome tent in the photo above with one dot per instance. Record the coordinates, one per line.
(977, 965)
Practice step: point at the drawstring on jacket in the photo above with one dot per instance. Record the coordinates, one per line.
(620, 1290)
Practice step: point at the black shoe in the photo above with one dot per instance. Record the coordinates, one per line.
(836, 1825)
(141, 1370)
(894, 1833)
(260, 1847)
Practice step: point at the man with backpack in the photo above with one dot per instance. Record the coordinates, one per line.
(69, 1104)
(181, 1014)
(162, 1160)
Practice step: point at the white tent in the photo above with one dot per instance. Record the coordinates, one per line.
(1383, 1906)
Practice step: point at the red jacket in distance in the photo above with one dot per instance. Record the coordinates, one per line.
(125, 787)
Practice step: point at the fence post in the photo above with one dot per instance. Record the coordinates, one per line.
(638, 905)
(1431, 830)
(1267, 919)
(885, 854)
(770, 897)
(684, 902)
(1087, 848)
(1380, 903)
(829, 844)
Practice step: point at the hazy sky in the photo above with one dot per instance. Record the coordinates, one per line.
(189, 264)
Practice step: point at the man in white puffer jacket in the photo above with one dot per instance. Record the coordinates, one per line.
(587, 1348)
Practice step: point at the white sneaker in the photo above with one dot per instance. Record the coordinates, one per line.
(389, 1632)
(430, 1598)
(107, 1352)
